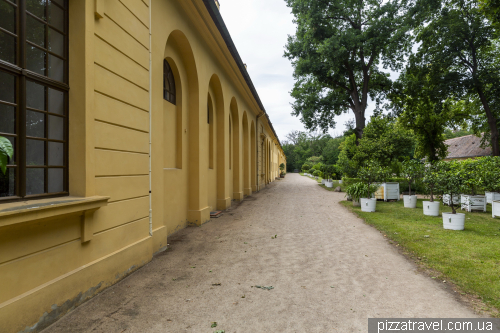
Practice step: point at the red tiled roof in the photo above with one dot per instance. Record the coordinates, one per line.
(466, 146)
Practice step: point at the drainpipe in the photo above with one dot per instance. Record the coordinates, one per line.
(150, 124)
(257, 145)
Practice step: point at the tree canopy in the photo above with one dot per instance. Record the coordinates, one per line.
(337, 53)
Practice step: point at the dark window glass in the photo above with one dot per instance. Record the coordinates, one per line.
(7, 47)
(7, 16)
(33, 108)
(168, 83)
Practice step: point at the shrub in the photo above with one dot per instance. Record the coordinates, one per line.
(317, 173)
(361, 190)
(450, 180)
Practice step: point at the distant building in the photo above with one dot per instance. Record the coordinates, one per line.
(465, 147)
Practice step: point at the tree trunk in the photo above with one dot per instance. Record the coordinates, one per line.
(492, 122)
(359, 115)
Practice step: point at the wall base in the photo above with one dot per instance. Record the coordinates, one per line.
(247, 191)
(238, 196)
(223, 204)
(199, 217)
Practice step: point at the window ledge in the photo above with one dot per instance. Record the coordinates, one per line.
(37, 210)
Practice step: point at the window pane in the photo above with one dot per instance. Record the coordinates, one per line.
(56, 180)
(56, 68)
(56, 16)
(35, 124)
(7, 48)
(35, 181)
(56, 101)
(35, 152)
(12, 140)
(35, 59)
(7, 87)
(8, 183)
(7, 16)
(36, 7)
(60, 2)
(7, 119)
(56, 128)
(35, 31)
(35, 95)
(56, 42)
(56, 154)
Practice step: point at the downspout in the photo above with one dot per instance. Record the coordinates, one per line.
(150, 125)
(257, 145)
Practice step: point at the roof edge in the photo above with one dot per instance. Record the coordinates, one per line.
(221, 26)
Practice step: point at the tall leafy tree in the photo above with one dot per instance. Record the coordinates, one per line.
(337, 52)
(457, 50)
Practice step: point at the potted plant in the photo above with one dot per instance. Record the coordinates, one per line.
(411, 171)
(355, 192)
(328, 174)
(473, 180)
(369, 175)
(450, 180)
(282, 168)
(431, 207)
(490, 172)
(6, 153)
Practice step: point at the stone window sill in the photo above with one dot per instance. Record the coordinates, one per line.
(46, 209)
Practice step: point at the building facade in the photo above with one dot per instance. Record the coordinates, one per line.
(140, 119)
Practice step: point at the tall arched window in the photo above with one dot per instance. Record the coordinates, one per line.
(168, 83)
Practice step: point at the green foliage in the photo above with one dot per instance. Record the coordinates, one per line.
(472, 175)
(450, 179)
(345, 164)
(282, 166)
(361, 190)
(460, 58)
(373, 172)
(430, 179)
(411, 171)
(336, 53)
(451, 134)
(490, 173)
(6, 153)
(316, 173)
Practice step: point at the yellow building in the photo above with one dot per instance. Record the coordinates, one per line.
(140, 120)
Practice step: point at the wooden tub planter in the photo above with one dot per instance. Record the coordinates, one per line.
(495, 210)
(446, 199)
(388, 191)
(492, 196)
(473, 202)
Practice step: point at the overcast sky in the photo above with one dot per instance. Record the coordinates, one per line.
(259, 29)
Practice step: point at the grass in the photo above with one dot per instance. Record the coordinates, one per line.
(470, 259)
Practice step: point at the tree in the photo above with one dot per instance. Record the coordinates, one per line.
(458, 53)
(412, 170)
(336, 53)
(420, 106)
(332, 150)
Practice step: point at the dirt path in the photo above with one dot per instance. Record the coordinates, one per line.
(329, 270)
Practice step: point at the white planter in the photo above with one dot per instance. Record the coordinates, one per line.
(492, 196)
(368, 205)
(329, 184)
(356, 203)
(431, 208)
(340, 181)
(410, 201)
(446, 199)
(453, 221)
(323, 181)
(473, 202)
(495, 209)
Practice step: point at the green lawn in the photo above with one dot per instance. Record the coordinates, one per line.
(470, 259)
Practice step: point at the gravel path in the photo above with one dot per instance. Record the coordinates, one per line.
(330, 272)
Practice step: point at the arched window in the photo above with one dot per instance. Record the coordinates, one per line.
(168, 83)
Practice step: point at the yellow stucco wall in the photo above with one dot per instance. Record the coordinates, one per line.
(46, 265)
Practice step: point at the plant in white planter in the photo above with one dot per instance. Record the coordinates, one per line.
(355, 191)
(370, 174)
(450, 180)
(328, 172)
(473, 180)
(361, 193)
(490, 173)
(411, 171)
(431, 207)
